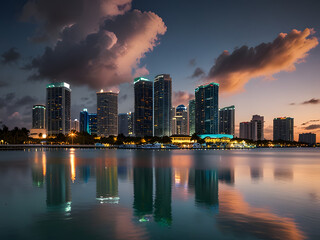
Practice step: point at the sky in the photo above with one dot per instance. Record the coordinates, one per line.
(264, 54)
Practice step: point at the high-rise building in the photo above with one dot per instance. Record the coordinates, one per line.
(253, 130)
(245, 130)
(107, 113)
(309, 138)
(283, 129)
(88, 122)
(84, 121)
(58, 108)
(173, 126)
(162, 104)
(207, 109)
(258, 128)
(93, 126)
(131, 123)
(180, 121)
(192, 117)
(123, 124)
(76, 125)
(143, 107)
(226, 120)
(39, 117)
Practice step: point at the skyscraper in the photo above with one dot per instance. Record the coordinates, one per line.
(258, 128)
(76, 125)
(192, 117)
(131, 123)
(162, 104)
(226, 120)
(39, 117)
(181, 121)
(107, 113)
(207, 110)
(245, 130)
(123, 124)
(84, 121)
(143, 107)
(58, 108)
(93, 128)
(283, 129)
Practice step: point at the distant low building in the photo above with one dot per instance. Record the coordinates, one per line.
(181, 139)
(38, 133)
(309, 138)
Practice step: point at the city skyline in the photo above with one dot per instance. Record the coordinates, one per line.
(293, 92)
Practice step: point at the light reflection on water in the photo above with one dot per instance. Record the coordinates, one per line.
(137, 194)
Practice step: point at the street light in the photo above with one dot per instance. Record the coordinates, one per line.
(72, 136)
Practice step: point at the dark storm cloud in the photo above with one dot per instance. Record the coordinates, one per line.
(16, 111)
(198, 72)
(3, 84)
(53, 16)
(10, 56)
(313, 127)
(234, 70)
(108, 57)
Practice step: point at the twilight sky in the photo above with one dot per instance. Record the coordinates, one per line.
(264, 54)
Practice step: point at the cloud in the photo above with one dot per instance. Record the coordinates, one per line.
(16, 111)
(234, 70)
(104, 58)
(3, 84)
(312, 101)
(10, 56)
(192, 62)
(181, 97)
(312, 127)
(198, 72)
(306, 123)
(52, 17)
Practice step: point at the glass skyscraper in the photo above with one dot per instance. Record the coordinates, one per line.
(58, 108)
(107, 113)
(39, 117)
(143, 107)
(162, 104)
(207, 109)
(88, 122)
(226, 120)
(192, 117)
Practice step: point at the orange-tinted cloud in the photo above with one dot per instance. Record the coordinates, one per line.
(234, 70)
(181, 97)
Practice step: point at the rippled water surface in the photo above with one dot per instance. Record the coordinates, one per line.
(146, 194)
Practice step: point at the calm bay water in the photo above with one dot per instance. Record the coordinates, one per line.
(146, 194)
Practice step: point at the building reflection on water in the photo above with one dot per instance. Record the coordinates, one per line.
(143, 185)
(107, 180)
(154, 176)
(58, 185)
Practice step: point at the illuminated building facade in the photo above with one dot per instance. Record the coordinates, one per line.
(84, 121)
(76, 125)
(143, 107)
(107, 113)
(192, 116)
(162, 104)
(207, 109)
(283, 129)
(93, 126)
(58, 108)
(180, 121)
(39, 117)
(227, 120)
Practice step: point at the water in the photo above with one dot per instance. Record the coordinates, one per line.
(146, 194)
